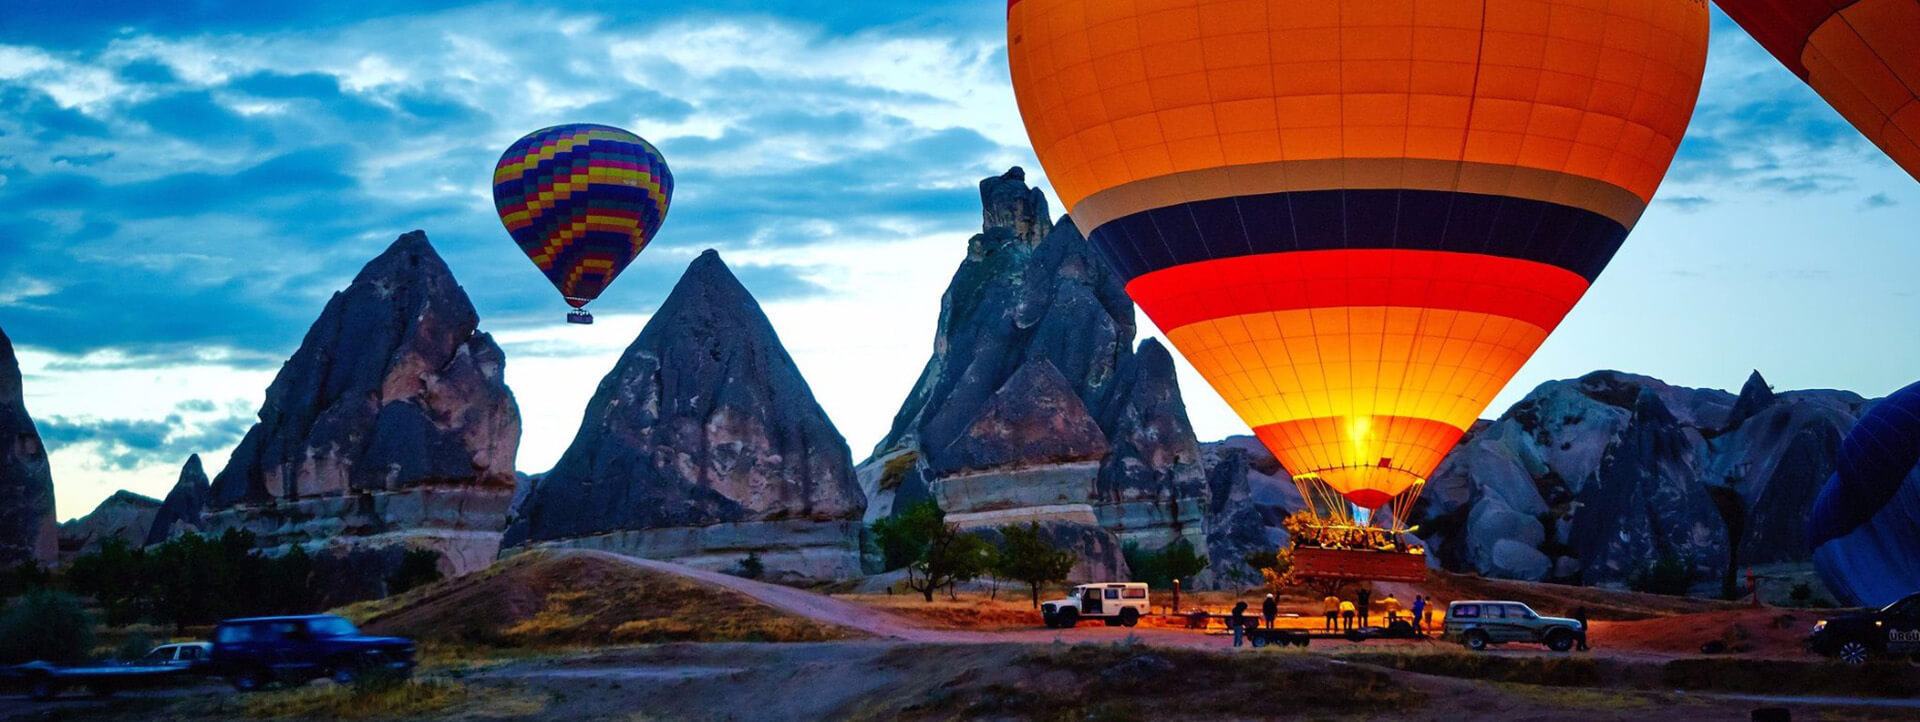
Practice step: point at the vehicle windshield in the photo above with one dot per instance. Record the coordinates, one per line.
(1906, 606)
(331, 627)
(161, 655)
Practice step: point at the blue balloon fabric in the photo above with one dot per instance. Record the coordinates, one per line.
(1865, 525)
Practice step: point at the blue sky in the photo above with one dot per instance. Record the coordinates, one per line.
(184, 188)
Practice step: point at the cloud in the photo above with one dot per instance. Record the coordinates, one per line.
(127, 444)
(1877, 200)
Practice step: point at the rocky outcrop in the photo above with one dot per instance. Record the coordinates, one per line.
(125, 516)
(27, 530)
(183, 510)
(1032, 294)
(704, 444)
(1591, 480)
(1248, 496)
(390, 428)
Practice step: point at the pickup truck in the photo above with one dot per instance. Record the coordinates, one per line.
(166, 663)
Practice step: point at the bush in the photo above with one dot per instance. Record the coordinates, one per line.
(1802, 593)
(418, 568)
(45, 624)
(1668, 575)
(751, 567)
(195, 580)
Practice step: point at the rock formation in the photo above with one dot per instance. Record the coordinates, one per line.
(27, 529)
(1591, 480)
(125, 516)
(704, 445)
(390, 428)
(1030, 300)
(184, 508)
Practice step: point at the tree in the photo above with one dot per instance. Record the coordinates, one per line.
(1668, 574)
(45, 624)
(903, 538)
(1027, 555)
(418, 568)
(1275, 567)
(1161, 568)
(951, 557)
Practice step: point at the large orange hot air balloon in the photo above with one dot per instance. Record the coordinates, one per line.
(1862, 56)
(1357, 218)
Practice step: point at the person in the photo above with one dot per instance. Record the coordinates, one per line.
(1391, 606)
(1270, 609)
(1360, 604)
(1237, 621)
(1346, 616)
(1580, 615)
(1419, 609)
(1426, 616)
(1331, 605)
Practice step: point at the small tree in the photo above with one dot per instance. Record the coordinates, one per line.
(1667, 575)
(1161, 568)
(951, 557)
(1275, 567)
(1026, 555)
(903, 538)
(751, 567)
(45, 624)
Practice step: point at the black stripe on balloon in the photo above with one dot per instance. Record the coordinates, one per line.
(1577, 240)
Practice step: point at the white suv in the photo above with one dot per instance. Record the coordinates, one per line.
(1117, 603)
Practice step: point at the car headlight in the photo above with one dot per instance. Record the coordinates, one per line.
(1820, 625)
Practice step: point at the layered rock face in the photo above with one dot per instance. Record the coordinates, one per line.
(27, 530)
(1249, 495)
(703, 445)
(125, 516)
(1593, 479)
(390, 428)
(1102, 440)
(184, 509)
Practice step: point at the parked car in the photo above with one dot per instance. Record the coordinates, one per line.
(250, 653)
(1116, 603)
(1479, 623)
(1892, 631)
(165, 663)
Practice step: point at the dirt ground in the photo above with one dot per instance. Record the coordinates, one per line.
(898, 657)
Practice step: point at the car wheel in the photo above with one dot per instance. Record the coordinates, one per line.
(1854, 653)
(344, 673)
(1129, 617)
(44, 689)
(1476, 640)
(1559, 640)
(1259, 640)
(1067, 618)
(249, 680)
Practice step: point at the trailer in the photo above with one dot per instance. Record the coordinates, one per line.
(1261, 637)
(165, 664)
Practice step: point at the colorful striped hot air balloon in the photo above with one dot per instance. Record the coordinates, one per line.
(582, 201)
(1862, 56)
(1357, 218)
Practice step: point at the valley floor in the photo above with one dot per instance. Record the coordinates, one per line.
(898, 657)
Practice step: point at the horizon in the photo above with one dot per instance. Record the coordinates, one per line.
(831, 160)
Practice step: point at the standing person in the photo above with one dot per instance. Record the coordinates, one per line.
(1346, 616)
(1237, 622)
(1331, 606)
(1360, 604)
(1580, 615)
(1270, 609)
(1419, 609)
(1391, 606)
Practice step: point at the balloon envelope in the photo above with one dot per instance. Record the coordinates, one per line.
(1865, 525)
(1356, 218)
(1862, 56)
(582, 201)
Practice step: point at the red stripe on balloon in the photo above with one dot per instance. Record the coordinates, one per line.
(1537, 293)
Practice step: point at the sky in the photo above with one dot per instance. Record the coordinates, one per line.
(183, 185)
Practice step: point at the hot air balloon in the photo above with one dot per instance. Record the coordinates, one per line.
(1356, 218)
(582, 201)
(1865, 525)
(1860, 55)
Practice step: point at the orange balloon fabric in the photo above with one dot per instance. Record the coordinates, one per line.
(1862, 56)
(1357, 218)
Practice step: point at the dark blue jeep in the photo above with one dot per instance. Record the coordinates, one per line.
(250, 653)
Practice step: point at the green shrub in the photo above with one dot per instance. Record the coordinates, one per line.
(418, 568)
(1668, 575)
(1159, 568)
(45, 624)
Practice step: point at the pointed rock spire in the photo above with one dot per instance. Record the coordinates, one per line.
(1755, 397)
(182, 509)
(27, 529)
(1034, 419)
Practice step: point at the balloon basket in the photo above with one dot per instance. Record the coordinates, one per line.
(580, 316)
(1314, 563)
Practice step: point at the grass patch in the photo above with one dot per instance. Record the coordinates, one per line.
(1552, 671)
(371, 699)
(1765, 676)
(1577, 698)
(1131, 681)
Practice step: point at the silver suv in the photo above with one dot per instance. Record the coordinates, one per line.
(1479, 623)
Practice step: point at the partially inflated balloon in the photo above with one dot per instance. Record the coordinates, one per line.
(582, 201)
(1357, 218)
(1862, 56)
(1865, 525)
